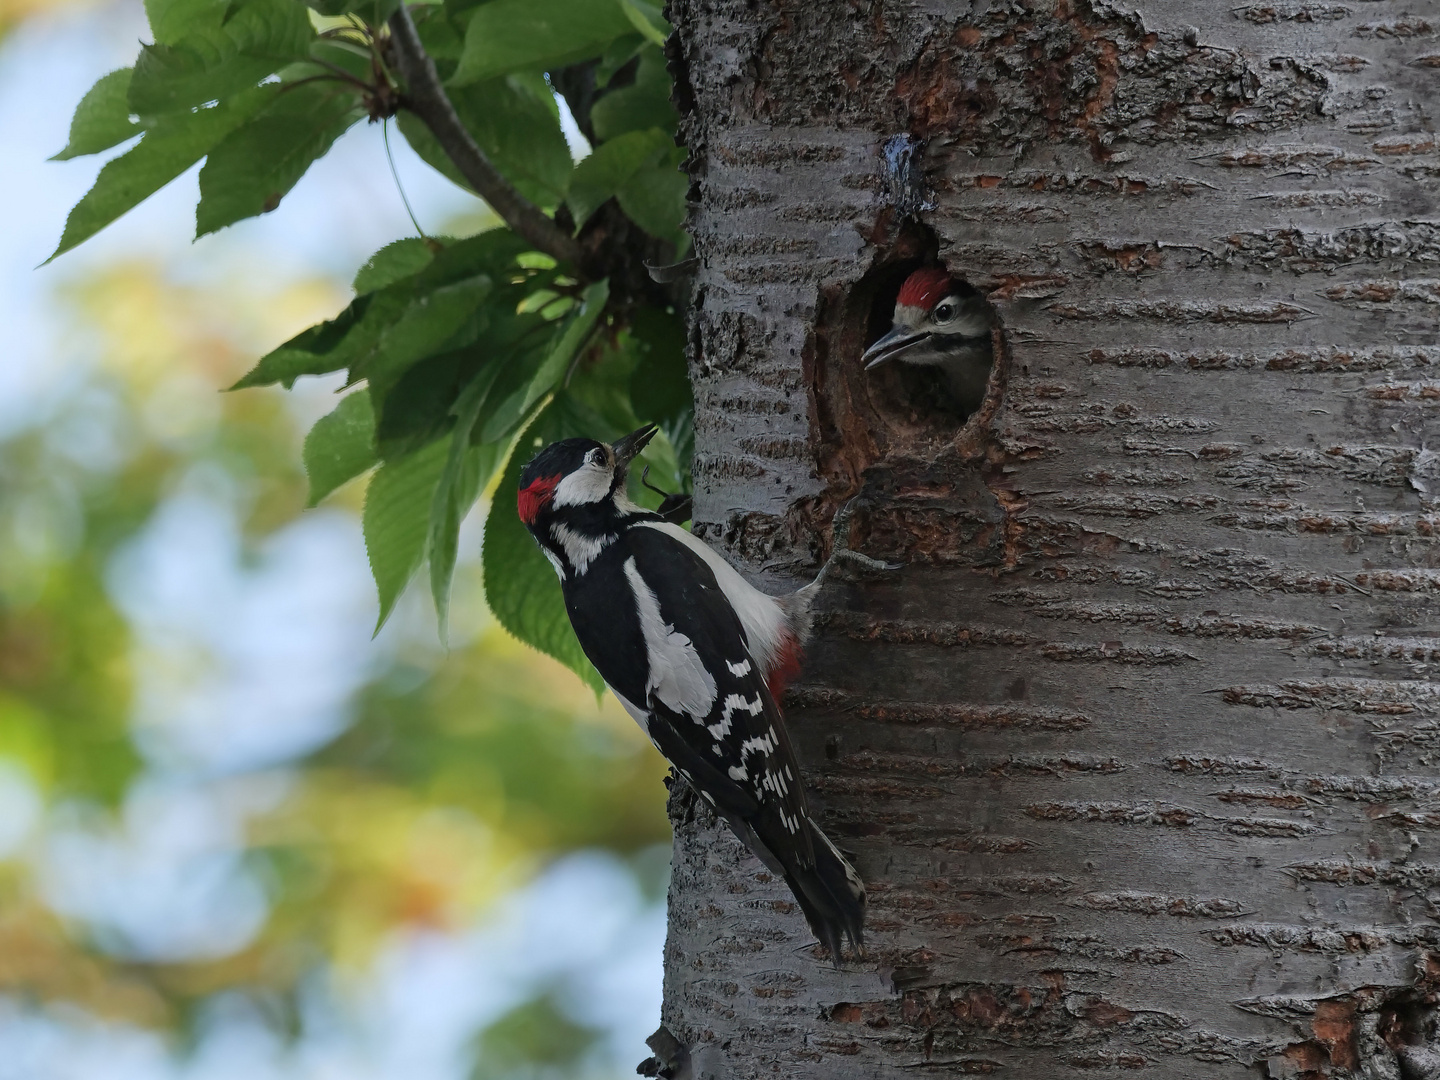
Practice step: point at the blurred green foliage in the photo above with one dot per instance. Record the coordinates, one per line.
(460, 774)
(535, 1039)
(460, 771)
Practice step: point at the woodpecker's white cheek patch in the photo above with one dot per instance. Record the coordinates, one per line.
(580, 550)
(677, 677)
(587, 484)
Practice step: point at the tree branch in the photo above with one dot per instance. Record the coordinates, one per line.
(426, 98)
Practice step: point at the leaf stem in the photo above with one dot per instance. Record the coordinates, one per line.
(426, 98)
(395, 174)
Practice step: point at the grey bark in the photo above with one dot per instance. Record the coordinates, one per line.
(1138, 754)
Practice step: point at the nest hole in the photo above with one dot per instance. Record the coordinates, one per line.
(922, 377)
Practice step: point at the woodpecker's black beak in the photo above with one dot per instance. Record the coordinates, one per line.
(628, 448)
(900, 339)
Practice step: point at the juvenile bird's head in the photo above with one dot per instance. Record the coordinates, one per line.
(940, 323)
(579, 479)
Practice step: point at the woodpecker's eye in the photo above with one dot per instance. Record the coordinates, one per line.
(596, 457)
(945, 311)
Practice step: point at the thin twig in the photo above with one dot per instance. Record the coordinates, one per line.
(426, 98)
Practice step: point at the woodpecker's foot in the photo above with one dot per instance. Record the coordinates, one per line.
(841, 553)
(865, 562)
(675, 507)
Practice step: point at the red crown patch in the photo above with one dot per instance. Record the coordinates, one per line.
(924, 288)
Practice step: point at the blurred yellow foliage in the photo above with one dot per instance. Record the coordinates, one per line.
(147, 329)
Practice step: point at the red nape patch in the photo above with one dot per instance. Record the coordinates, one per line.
(532, 499)
(925, 288)
(786, 666)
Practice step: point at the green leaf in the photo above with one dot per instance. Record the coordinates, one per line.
(340, 446)
(515, 121)
(467, 470)
(609, 167)
(422, 140)
(169, 148)
(327, 347)
(520, 584)
(438, 32)
(643, 104)
(511, 409)
(396, 521)
(494, 253)
(349, 339)
(572, 338)
(659, 385)
(648, 19)
(396, 260)
(374, 12)
(256, 165)
(425, 328)
(224, 49)
(516, 35)
(654, 198)
(617, 54)
(102, 119)
(170, 20)
(416, 408)
(641, 170)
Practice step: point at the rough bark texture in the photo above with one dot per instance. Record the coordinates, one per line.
(1139, 753)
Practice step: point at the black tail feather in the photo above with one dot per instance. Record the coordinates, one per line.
(831, 895)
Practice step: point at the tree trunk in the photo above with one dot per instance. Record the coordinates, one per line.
(1138, 753)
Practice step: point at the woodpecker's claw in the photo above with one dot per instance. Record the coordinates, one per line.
(866, 562)
(675, 506)
(841, 552)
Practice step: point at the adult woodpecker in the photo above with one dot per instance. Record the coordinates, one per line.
(940, 323)
(697, 656)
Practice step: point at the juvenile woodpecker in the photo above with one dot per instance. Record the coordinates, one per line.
(940, 323)
(697, 656)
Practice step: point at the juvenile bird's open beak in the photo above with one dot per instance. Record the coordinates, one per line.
(898, 340)
(629, 447)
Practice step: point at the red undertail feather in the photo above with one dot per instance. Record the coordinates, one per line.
(532, 498)
(785, 666)
(924, 288)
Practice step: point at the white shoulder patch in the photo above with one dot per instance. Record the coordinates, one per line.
(580, 549)
(677, 677)
(761, 616)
